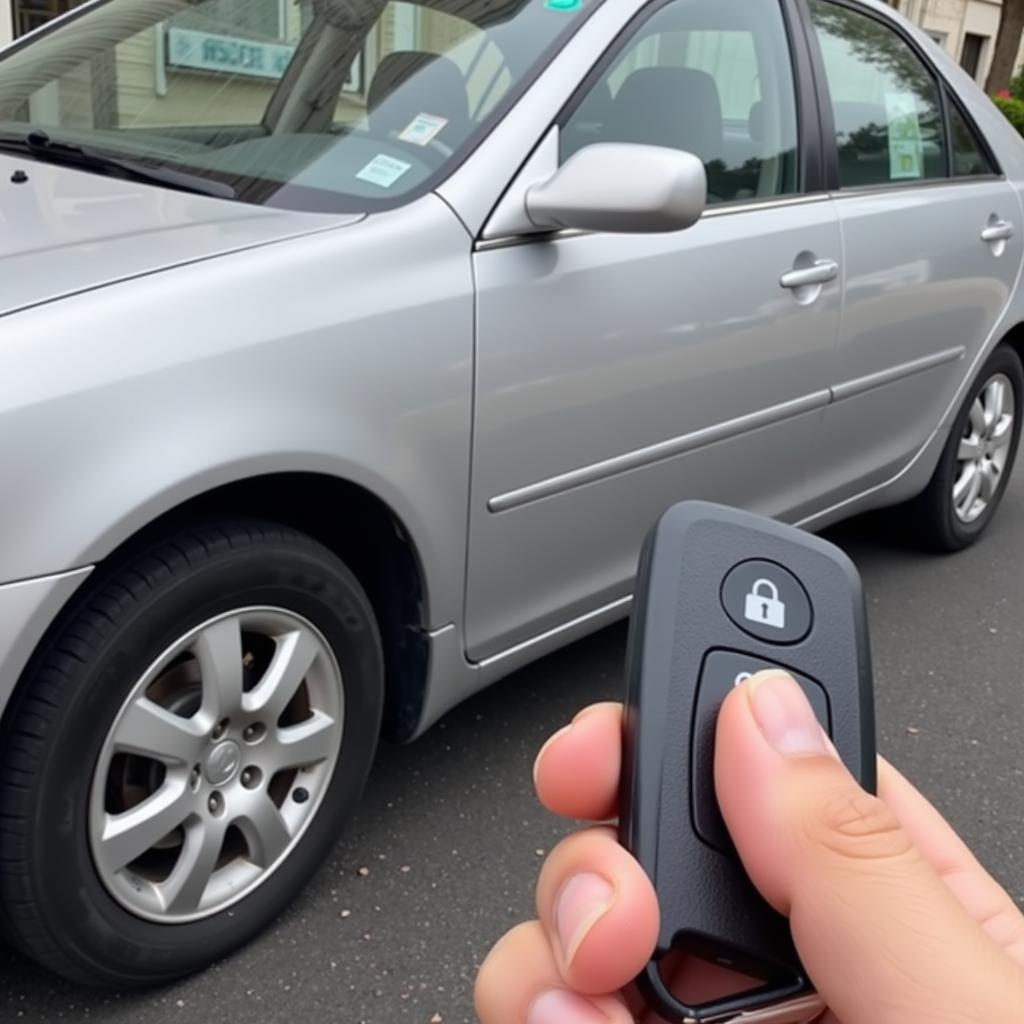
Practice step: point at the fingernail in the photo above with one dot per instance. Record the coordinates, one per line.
(590, 709)
(561, 1007)
(784, 715)
(829, 745)
(551, 739)
(583, 901)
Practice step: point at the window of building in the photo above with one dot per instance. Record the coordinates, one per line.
(972, 52)
(30, 14)
(271, 21)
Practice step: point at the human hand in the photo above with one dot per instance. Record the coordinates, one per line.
(894, 918)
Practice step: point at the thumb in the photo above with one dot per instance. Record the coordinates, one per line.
(881, 936)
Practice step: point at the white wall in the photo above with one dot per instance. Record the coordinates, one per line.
(6, 22)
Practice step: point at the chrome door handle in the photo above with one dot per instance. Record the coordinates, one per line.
(1002, 231)
(821, 273)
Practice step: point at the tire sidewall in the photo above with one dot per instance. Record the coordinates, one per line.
(81, 913)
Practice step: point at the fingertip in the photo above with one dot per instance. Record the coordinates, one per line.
(519, 983)
(603, 948)
(577, 771)
(518, 968)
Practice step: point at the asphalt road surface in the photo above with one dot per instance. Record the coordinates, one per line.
(452, 837)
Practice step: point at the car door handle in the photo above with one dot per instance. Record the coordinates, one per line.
(1001, 231)
(820, 273)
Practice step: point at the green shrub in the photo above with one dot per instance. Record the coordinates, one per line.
(1014, 111)
(1017, 86)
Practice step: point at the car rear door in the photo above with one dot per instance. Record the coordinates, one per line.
(617, 374)
(931, 246)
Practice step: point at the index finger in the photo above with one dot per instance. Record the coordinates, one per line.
(577, 771)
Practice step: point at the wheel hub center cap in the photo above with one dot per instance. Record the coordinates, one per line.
(222, 763)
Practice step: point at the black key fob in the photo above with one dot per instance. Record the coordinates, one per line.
(721, 595)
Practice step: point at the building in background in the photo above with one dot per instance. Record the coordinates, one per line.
(966, 29)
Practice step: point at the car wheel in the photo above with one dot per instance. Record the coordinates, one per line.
(184, 752)
(978, 459)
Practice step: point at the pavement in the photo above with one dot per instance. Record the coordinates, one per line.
(451, 838)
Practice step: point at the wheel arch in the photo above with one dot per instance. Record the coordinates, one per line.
(1014, 337)
(348, 519)
(916, 477)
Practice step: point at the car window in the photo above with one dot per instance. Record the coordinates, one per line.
(969, 157)
(306, 104)
(712, 77)
(886, 105)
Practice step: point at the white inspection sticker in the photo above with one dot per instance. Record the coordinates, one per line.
(906, 147)
(383, 170)
(422, 129)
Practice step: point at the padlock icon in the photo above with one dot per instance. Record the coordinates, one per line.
(764, 606)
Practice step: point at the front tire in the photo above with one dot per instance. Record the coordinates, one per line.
(972, 475)
(184, 752)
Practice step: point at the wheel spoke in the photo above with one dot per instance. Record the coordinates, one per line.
(218, 649)
(972, 492)
(149, 730)
(307, 743)
(963, 486)
(183, 890)
(995, 403)
(989, 482)
(265, 830)
(293, 658)
(978, 420)
(970, 449)
(127, 836)
(1003, 431)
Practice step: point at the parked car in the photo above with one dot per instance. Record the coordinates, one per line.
(348, 355)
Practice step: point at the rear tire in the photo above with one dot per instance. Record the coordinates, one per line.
(65, 776)
(977, 461)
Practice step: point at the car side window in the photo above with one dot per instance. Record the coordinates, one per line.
(969, 157)
(885, 101)
(711, 77)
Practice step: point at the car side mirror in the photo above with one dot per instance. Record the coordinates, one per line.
(623, 188)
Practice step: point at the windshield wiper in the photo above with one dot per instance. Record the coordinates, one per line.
(39, 145)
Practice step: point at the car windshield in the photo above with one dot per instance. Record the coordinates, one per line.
(336, 105)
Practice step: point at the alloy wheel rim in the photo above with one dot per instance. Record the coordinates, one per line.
(984, 449)
(216, 764)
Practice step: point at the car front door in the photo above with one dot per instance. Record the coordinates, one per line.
(617, 374)
(931, 249)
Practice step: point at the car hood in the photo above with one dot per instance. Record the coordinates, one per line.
(66, 231)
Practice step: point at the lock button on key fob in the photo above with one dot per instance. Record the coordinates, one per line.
(767, 601)
(723, 594)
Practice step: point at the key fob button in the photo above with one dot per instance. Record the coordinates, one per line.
(768, 602)
(722, 671)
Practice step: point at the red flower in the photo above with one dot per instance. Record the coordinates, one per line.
(1004, 94)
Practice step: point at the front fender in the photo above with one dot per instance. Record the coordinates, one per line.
(347, 353)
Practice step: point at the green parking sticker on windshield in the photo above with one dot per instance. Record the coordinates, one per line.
(563, 5)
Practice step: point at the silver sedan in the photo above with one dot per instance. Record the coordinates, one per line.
(350, 347)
